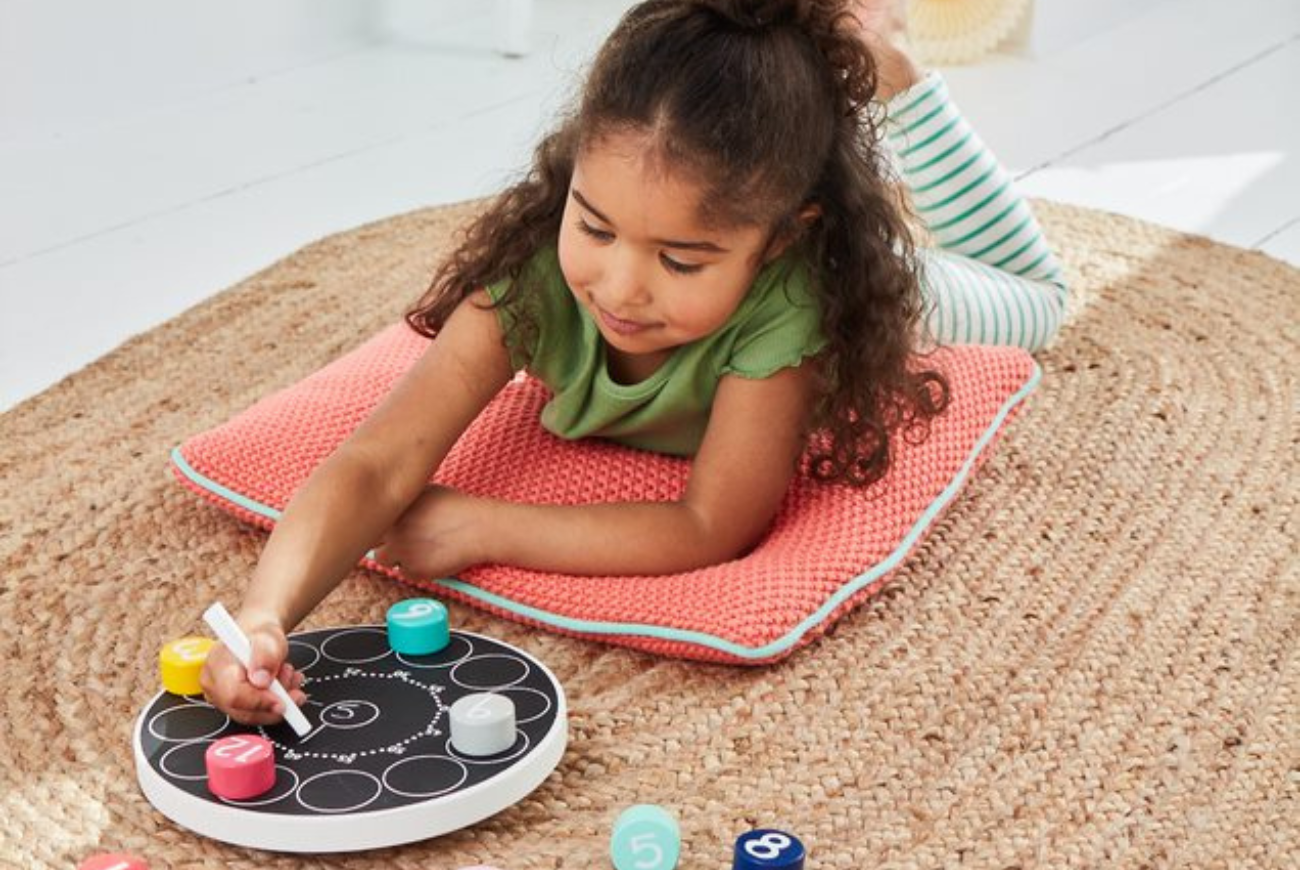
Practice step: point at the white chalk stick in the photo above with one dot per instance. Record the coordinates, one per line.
(229, 632)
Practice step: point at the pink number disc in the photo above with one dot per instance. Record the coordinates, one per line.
(112, 862)
(240, 766)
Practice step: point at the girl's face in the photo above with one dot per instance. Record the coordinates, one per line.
(636, 255)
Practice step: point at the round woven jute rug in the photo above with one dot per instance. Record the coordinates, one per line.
(1092, 661)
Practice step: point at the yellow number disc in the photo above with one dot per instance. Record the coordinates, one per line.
(180, 663)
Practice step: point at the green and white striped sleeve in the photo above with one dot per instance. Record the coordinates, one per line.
(992, 279)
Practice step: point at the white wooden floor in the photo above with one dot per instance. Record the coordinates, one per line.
(1178, 111)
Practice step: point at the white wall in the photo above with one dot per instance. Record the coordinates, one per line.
(1056, 24)
(75, 63)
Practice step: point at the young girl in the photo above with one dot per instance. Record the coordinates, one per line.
(708, 259)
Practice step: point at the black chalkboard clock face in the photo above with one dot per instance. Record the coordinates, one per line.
(378, 767)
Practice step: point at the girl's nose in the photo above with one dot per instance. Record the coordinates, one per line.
(625, 284)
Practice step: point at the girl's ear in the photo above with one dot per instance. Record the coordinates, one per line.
(807, 216)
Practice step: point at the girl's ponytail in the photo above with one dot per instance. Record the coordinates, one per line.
(831, 27)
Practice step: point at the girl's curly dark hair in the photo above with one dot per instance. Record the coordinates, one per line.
(769, 104)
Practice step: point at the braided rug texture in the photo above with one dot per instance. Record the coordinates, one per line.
(1090, 662)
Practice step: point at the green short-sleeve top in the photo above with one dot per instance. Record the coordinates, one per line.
(776, 326)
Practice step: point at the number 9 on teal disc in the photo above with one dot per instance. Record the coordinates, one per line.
(646, 837)
(418, 627)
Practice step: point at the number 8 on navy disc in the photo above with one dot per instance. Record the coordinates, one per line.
(768, 849)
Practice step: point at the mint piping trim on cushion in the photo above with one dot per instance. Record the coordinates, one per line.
(195, 477)
(775, 647)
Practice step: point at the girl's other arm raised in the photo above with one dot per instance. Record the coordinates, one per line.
(738, 479)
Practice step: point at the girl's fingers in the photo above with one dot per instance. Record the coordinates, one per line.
(226, 685)
(261, 710)
(250, 699)
(386, 557)
(255, 718)
(292, 680)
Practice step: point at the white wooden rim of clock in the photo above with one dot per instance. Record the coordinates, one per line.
(322, 833)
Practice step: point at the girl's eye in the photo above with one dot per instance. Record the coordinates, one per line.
(670, 264)
(597, 234)
(680, 268)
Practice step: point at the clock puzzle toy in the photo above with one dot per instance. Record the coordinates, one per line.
(400, 746)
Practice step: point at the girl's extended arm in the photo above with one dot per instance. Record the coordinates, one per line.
(737, 482)
(356, 494)
(351, 499)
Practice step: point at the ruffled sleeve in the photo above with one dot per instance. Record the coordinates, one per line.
(781, 326)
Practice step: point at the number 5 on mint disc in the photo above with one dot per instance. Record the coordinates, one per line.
(646, 837)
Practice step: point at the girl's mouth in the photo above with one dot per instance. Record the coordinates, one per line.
(619, 325)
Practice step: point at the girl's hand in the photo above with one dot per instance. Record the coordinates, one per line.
(245, 695)
(439, 535)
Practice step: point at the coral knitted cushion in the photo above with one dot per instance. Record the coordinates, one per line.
(828, 549)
